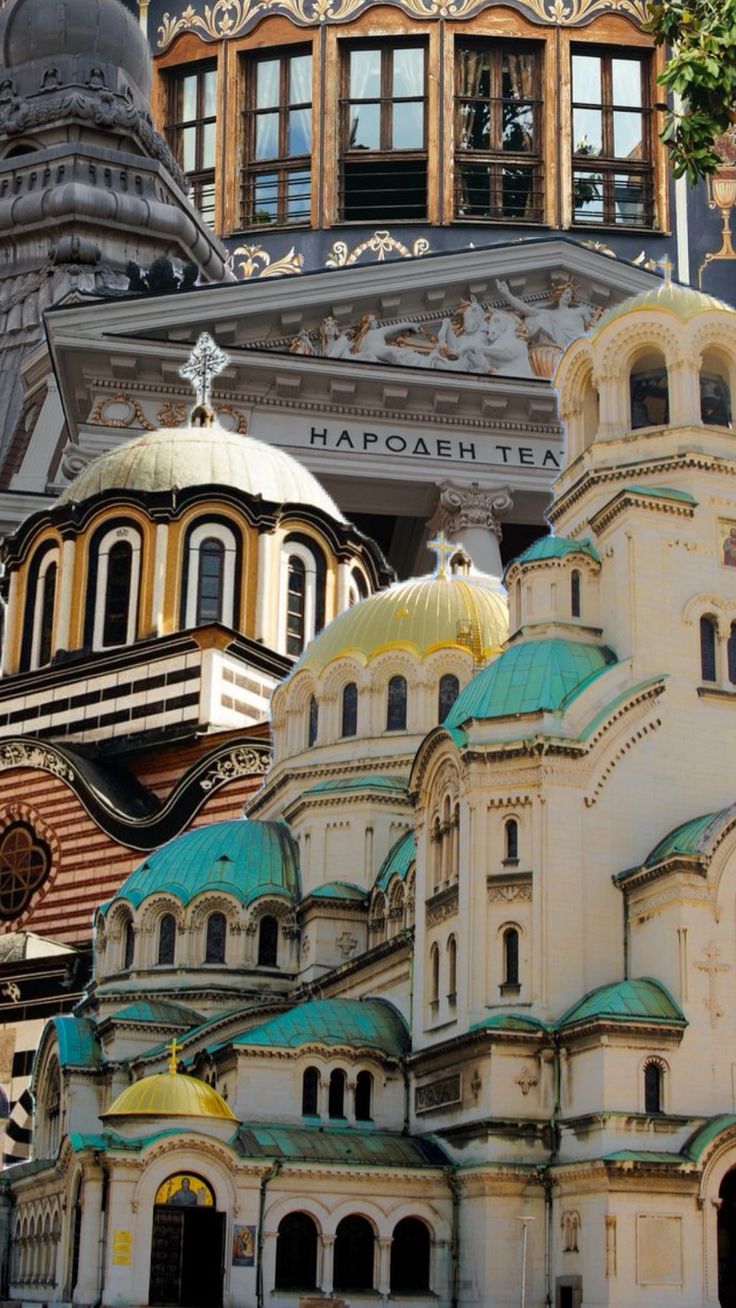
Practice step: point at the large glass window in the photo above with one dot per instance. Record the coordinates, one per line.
(210, 580)
(396, 704)
(611, 138)
(117, 594)
(216, 938)
(46, 625)
(278, 133)
(448, 691)
(191, 131)
(296, 585)
(167, 940)
(498, 131)
(383, 125)
(349, 723)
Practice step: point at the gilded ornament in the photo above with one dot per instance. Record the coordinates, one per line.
(240, 762)
(134, 417)
(380, 243)
(254, 261)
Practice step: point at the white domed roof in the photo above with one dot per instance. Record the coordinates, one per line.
(179, 457)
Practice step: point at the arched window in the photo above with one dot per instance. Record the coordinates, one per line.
(46, 625)
(649, 391)
(715, 393)
(354, 1254)
(511, 841)
(216, 939)
(128, 945)
(211, 575)
(731, 652)
(38, 621)
(336, 1095)
(310, 1092)
(358, 589)
(349, 724)
(49, 1113)
(296, 587)
(167, 939)
(410, 1249)
(363, 1096)
(117, 594)
(708, 649)
(210, 578)
(452, 969)
(449, 689)
(511, 957)
(312, 722)
(434, 974)
(575, 594)
(396, 705)
(652, 1088)
(268, 942)
(296, 1253)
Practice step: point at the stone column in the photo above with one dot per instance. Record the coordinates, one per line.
(12, 625)
(87, 1289)
(343, 587)
(384, 1265)
(469, 516)
(159, 579)
(267, 593)
(328, 1263)
(66, 593)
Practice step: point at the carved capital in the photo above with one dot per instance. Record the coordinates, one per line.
(459, 507)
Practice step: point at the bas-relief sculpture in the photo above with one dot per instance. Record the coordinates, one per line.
(525, 340)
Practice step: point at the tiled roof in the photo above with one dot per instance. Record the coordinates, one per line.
(529, 677)
(556, 547)
(363, 1023)
(371, 781)
(329, 1144)
(643, 999)
(338, 890)
(147, 1010)
(692, 837)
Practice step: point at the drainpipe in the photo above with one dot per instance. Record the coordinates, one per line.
(407, 1099)
(546, 1177)
(627, 928)
(269, 1175)
(454, 1187)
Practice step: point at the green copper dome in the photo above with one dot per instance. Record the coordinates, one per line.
(422, 615)
(398, 860)
(242, 858)
(360, 1023)
(555, 547)
(642, 999)
(530, 677)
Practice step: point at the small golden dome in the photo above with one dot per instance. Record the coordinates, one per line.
(170, 1094)
(684, 302)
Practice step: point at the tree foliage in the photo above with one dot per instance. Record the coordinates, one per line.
(701, 70)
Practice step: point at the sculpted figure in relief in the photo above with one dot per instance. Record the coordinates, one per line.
(562, 321)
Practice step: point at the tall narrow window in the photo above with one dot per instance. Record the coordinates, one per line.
(449, 689)
(715, 395)
(511, 841)
(613, 181)
(652, 1088)
(363, 1096)
(295, 605)
(731, 651)
(708, 649)
(312, 722)
(278, 135)
(268, 942)
(410, 1253)
(167, 939)
(310, 1092)
(452, 969)
(383, 131)
(117, 594)
(336, 1094)
(649, 392)
(396, 704)
(296, 1253)
(434, 974)
(349, 724)
(216, 939)
(511, 957)
(190, 131)
(498, 131)
(354, 1254)
(128, 946)
(575, 594)
(210, 580)
(46, 624)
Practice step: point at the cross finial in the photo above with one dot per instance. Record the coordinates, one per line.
(171, 1051)
(665, 264)
(203, 365)
(443, 549)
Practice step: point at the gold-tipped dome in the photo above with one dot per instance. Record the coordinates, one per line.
(423, 615)
(170, 1094)
(684, 302)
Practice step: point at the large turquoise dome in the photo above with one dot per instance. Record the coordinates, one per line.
(242, 858)
(530, 677)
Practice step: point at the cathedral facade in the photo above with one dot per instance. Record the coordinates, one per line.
(445, 1019)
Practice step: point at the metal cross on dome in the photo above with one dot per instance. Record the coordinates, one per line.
(443, 549)
(205, 362)
(172, 1051)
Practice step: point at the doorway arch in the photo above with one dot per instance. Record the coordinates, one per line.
(727, 1239)
(187, 1244)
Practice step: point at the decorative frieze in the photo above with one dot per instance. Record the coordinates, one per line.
(510, 888)
(438, 1094)
(442, 906)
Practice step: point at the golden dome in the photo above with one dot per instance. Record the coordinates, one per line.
(422, 615)
(170, 1094)
(684, 302)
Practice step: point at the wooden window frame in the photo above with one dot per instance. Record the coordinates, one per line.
(282, 164)
(607, 164)
(199, 177)
(495, 157)
(385, 155)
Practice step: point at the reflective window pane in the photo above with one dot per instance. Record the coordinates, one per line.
(300, 131)
(629, 198)
(517, 76)
(408, 71)
(587, 130)
(473, 128)
(586, 78)
(209, 85)
(206, 202)
(208, 146)
(189, 98)
(267, 136)
(365, 127)
(188, 149)
(588, 197)
(626, 79)
(298, 194)
(518, 128)
(408, 127)
(265, 198)
(475, 72)
(517, 191)
(365, 74)
(628, 136)
(267, 83)
(300, 79)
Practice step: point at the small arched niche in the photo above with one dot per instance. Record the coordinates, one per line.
(715, 390)
(649, 391)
